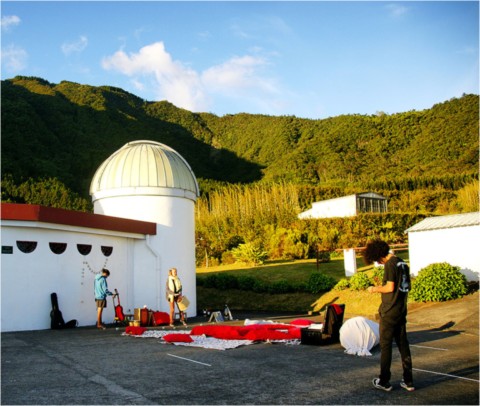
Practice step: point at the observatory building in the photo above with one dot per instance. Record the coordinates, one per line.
(143, 224)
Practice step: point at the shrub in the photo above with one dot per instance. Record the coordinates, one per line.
(280, 287)
(234, 242)
(438, 282)
(323, 256)
(246, 282)
(260, 286)
(342, 284)
(249, 253)
(225, 281)
(377, 277)
(336, 254)
(359, 281)
(319, 282)
(210, 281)
(227, 258)
(299, 286)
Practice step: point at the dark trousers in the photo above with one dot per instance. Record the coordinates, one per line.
(394, 331)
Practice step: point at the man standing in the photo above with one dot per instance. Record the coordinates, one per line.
(393, 313)
(101, 293)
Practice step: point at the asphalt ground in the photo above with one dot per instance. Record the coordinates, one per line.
(90, 366)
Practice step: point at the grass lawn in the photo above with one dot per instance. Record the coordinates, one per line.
(291, 271)
(357, 303)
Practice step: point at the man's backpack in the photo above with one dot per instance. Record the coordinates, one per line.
(405, 283)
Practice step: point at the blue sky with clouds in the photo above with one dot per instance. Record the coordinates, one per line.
(310, 59)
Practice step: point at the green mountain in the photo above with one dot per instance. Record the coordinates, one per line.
(67, 130)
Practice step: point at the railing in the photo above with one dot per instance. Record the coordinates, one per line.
(395, 247)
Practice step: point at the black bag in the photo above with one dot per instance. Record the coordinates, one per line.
(405, 284)
(56, 318)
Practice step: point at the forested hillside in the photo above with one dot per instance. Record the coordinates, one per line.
(256, 172)
(66, 130)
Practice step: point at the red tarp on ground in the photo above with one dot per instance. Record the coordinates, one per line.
(254, 332)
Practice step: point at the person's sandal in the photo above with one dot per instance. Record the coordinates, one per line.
(184, 324)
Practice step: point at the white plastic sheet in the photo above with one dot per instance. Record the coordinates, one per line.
(359, 335)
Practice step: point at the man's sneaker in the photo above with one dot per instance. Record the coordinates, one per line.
(406, 386)
(376, 382)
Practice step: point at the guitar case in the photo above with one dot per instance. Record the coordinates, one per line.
(56, 318)
(119, 315)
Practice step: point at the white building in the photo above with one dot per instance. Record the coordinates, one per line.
(347, 206)
(454, 239)
(144, 197)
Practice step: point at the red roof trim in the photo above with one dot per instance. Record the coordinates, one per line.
(33, 212)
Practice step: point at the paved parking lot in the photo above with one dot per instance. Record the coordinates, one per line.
(87, 366)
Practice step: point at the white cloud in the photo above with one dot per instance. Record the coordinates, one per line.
(77, 46)
(9, 21)
(14, 59)
(238, 73)
(138, 85)
(239, 31)
(175, 82)
(185, 87)
(467, 50)
(204, 35)
(396, 10)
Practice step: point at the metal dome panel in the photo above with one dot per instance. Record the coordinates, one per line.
(144, 164)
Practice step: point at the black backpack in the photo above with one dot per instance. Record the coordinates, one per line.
(405, 284)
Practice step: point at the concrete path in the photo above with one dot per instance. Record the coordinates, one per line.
(88, 366)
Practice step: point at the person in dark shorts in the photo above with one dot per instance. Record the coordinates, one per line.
(393, 315)
(101, 292)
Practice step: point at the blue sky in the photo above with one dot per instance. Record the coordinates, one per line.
(310, 59)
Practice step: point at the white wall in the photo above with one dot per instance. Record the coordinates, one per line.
(457, 246)
(172, 246)
(29, 279)
(350, 261)
(339, 207)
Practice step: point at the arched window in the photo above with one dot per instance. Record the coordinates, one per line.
(84, 249)
(58, 247)
(107, 251)
(27, 246)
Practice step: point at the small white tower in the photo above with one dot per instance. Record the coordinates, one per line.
(149, 181)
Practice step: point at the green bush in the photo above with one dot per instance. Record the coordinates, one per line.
(249, 253)
(246, 282)
(259, 286)
(228, 258)
(323, 256)
(225, 281)
(438, 282)
(299, 286)
(210, 281)
(359, 281)
(377, 277)
(319, 282)
(280, 287)
(342, 284)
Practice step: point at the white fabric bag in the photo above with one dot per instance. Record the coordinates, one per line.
(359, 335)
(183, 303)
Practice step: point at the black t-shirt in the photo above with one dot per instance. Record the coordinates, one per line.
(394, 304)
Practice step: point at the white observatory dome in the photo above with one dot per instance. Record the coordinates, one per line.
(149, 181)
(144, 168)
